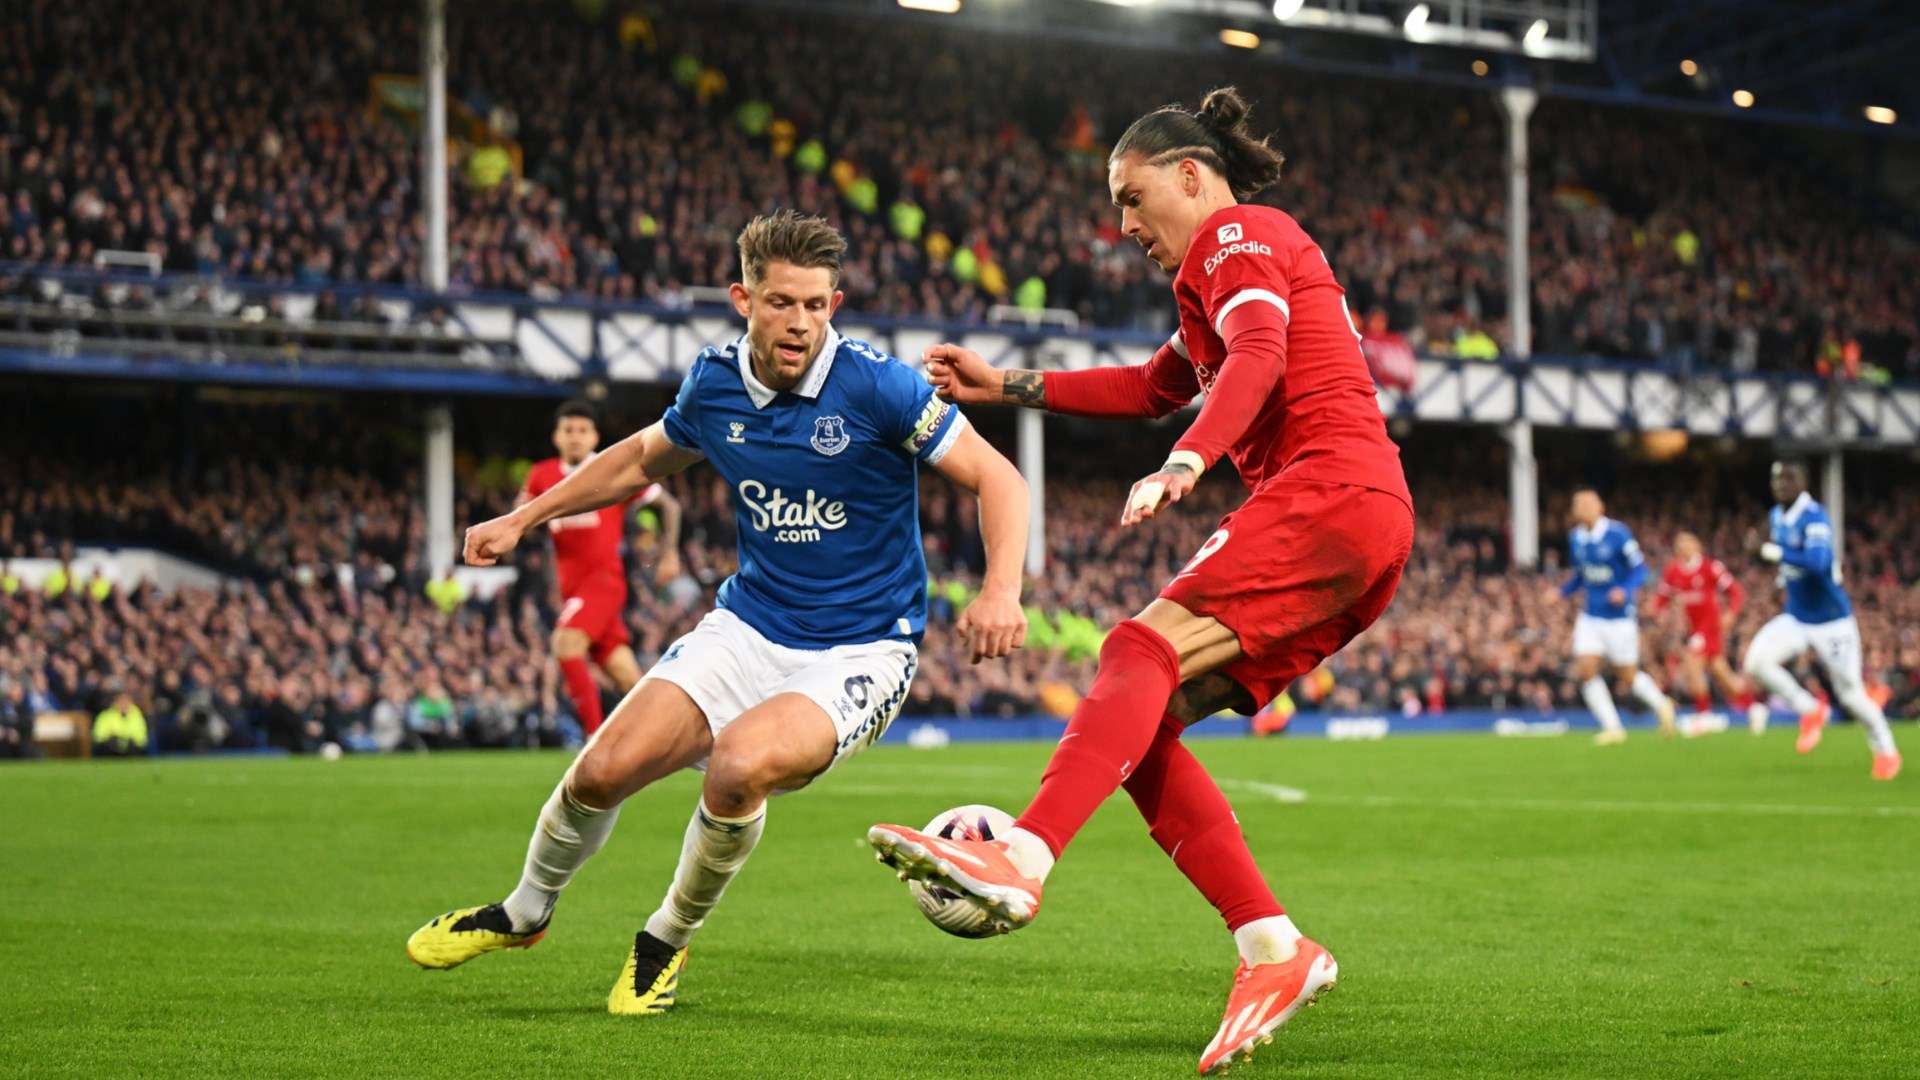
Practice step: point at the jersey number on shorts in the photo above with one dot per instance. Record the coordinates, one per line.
(1214, 543)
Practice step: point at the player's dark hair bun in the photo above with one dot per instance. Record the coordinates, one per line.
(1216, 134)
(1223, 110)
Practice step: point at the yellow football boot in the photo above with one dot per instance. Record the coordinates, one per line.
(459, 936)
(650, 980)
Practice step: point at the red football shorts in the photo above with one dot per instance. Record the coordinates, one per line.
(1296, 572)
(1706, 641)
(596, 612)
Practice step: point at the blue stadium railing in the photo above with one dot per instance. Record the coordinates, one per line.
(63, 321)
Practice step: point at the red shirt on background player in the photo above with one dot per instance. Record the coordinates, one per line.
(593, 579)
(1694, 582)
(1308, 561)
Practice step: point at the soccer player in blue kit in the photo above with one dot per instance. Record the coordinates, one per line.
(1607, 563)
(1817, 616)
(809, 653)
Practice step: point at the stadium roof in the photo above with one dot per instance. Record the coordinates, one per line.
(1842, 65)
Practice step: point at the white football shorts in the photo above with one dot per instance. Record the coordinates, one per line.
(1616, 639)
(728, 667)
(1836, 644)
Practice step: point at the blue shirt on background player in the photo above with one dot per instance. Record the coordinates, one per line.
(1605, 557)
(1804, 535)
(839, 449)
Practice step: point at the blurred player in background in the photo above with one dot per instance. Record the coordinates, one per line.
(593, 579)
(1817, 616)
(1694, 582)
(1309, 560)
(810, 652)
(1608, 566)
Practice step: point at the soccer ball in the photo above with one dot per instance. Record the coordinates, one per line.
(956, 914)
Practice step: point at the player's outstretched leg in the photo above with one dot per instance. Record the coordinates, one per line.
(1779, 641)
(1650, 695)
(1107, 738)
(655, 731)
(779, 745)
(1593, 690)
(1280, 971)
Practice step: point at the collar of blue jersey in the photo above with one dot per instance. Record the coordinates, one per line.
(810, 384)
(1599, 528)
(1800, 506)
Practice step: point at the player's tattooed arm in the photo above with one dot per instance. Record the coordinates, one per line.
(1024, 388)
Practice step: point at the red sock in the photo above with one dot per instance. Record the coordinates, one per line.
(1702, 702)
(1108, 735)
(1743, 700)
(584, 692)
(1194, 824)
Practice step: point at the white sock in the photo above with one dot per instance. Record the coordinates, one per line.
(1272, 940)
(1649, 693)
(1029, 854)
(715, 849)
(1600, 703)
(1775, 678)
(1862, 708)
(566, 836)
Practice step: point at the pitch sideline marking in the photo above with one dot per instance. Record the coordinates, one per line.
(1293, 795)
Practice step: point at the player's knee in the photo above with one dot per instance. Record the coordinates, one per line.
(741, 773)
(597, 779)
(569, 644)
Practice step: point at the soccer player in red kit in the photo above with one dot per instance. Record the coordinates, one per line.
(593, 580)
(1695, 582)
(1310, 559)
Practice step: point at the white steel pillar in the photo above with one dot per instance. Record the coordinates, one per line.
(1033, 465)
(1834, 494)
(433, 187)
(1523, 480)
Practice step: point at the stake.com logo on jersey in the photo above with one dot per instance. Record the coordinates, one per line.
(1230, 235)
(791, 521)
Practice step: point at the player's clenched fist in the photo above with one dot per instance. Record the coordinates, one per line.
(993, 625)
(963, 376)
(489, 540)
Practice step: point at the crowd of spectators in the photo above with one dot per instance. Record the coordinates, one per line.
(966, 167)
(295, 652)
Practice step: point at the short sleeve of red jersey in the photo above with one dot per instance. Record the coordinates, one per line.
(539, 478)
(1243, 259)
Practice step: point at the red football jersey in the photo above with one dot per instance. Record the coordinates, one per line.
(586, 547)
(1323, 422)
(1696, 587)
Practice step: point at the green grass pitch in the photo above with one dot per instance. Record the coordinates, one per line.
(1522, 907)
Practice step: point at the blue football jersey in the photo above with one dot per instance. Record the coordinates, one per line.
(1807, 572)
(825, 488)
(1605, 557)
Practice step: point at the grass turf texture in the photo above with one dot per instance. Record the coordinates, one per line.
(1526, 907)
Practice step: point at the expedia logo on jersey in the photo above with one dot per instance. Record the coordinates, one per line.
(792, 521)
(931, 415)
(1230, 238)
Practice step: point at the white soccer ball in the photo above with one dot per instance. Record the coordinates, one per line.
(956, 914)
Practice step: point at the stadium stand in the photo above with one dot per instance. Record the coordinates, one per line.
(277, 150)
(295, 652)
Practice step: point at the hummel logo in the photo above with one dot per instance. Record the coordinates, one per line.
(736, 432)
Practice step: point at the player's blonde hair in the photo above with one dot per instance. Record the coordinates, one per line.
(790, 237)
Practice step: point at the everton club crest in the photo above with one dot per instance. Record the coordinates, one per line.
(830, 435)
